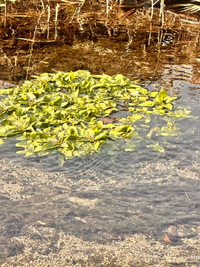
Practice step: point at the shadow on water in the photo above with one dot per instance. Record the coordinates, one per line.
(112, 196)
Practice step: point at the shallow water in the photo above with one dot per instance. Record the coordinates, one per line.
(114, 194)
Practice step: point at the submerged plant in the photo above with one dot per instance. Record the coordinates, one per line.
(70, 112)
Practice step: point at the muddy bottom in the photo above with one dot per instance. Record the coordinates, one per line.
(48, 219)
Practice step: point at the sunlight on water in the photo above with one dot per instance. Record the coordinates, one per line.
(110, 197)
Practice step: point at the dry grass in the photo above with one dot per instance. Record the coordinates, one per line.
(33, 24)
(57, 17)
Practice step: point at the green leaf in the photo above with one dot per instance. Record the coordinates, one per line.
(147, 104)
(163, 97)
(61, 112)
(119, 131)
(135, 117)
(1, 141)
(101, 135)
(156, 147)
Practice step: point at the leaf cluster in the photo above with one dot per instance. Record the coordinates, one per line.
(64, 111)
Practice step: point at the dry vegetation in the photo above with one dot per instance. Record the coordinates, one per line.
(31, 30)
(59, 21)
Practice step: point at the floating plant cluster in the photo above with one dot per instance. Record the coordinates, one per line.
(76, 113)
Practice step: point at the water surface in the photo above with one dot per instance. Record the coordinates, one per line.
(115, 194)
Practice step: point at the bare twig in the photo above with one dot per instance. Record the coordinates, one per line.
(56, 21)
(5, 13)
(33, 40)
(48, 20)
(42, 4)
(161, 15)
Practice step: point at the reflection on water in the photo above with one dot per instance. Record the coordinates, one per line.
(112, 195)
(109, 196)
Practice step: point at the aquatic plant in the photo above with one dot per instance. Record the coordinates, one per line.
(73, 113)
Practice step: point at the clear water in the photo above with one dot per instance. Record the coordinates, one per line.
(128, 192)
